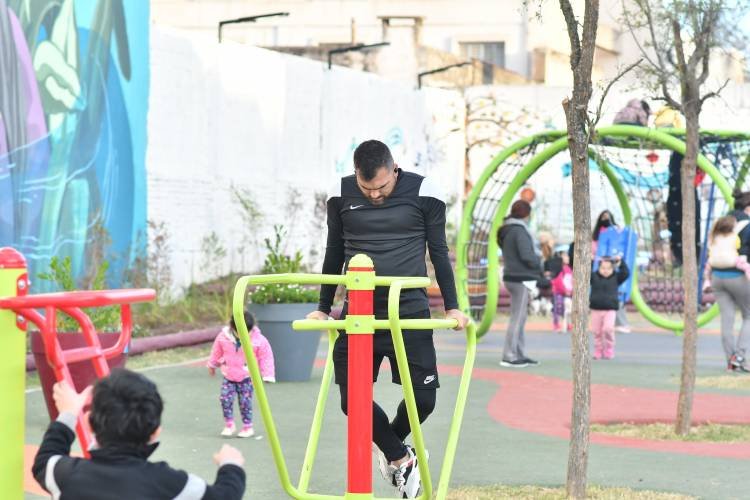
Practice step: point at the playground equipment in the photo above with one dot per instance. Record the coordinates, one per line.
(360, 324)
(17, 308)
(634, 161)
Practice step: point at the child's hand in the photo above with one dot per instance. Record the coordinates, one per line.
(269, 379)
(68, 400)
(229, 454)
(211, 371)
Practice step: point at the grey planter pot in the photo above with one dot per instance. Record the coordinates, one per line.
(293, 352)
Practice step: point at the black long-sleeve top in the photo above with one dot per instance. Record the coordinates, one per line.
(395, 235)
(122, 472)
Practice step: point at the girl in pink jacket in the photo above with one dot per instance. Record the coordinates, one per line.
(228, 355)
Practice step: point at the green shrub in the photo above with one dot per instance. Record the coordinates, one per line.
(105, 319)
(278, 262)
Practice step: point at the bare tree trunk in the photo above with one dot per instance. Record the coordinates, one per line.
(582, 45)
(467, 149)
(581, 357)
(689, 272)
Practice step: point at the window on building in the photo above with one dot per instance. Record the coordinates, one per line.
(489, 52)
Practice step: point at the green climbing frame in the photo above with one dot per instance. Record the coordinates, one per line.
(477, 264)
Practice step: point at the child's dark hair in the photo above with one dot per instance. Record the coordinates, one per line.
(126, 409)
(249, 321)
(723, 225)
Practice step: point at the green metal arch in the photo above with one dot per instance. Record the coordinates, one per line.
(464, 233)
(559, 142)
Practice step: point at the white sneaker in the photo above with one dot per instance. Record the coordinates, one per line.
(246, 432)
(228, 431)
(406, 476)
(386, 469)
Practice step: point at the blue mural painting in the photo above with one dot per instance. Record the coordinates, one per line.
(73, 103)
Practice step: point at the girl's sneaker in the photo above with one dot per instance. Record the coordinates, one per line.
(246, 432)
(228, 430)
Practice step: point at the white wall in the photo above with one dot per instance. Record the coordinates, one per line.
(281, 126)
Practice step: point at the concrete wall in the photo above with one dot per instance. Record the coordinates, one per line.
(284, 129)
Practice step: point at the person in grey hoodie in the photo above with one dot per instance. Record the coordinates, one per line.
(522, 268)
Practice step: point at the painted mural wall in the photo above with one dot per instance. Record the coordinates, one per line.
(73, 102)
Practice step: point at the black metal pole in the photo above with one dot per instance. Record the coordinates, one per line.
(438, 70)
(248, 19)
(352, 48)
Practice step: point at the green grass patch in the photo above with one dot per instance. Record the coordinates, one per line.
(733, 381)
(542, 493)
(718, 433)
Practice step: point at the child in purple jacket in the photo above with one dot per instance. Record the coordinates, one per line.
(228, 355)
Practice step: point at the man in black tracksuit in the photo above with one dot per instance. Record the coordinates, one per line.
(393, 217)
(125, 417)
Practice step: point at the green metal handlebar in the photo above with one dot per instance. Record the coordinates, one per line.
(324, 279)
(395, 325)
(380, 324)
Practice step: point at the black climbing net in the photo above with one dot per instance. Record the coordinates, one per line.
(482, 214)
(650, 177)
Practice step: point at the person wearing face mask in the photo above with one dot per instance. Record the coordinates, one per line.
(603, 222)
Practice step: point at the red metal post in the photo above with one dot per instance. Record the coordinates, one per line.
(359, 389)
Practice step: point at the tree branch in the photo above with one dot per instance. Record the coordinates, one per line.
(713, 94)
(487, 140)
(593, 123)
(572, 25)
(645, 5)
(499, 123)
(679, 47)
(641, 48)
(705, 44)
(704, 71)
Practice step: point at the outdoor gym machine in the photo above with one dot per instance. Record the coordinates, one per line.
(360, 281)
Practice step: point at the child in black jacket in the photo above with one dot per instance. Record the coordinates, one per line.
(604, 303)
(125, 417)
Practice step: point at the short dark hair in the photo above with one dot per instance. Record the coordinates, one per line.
(249, 321)
(370, 156)
(520, 209)
(126, 409)
(741, 200)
